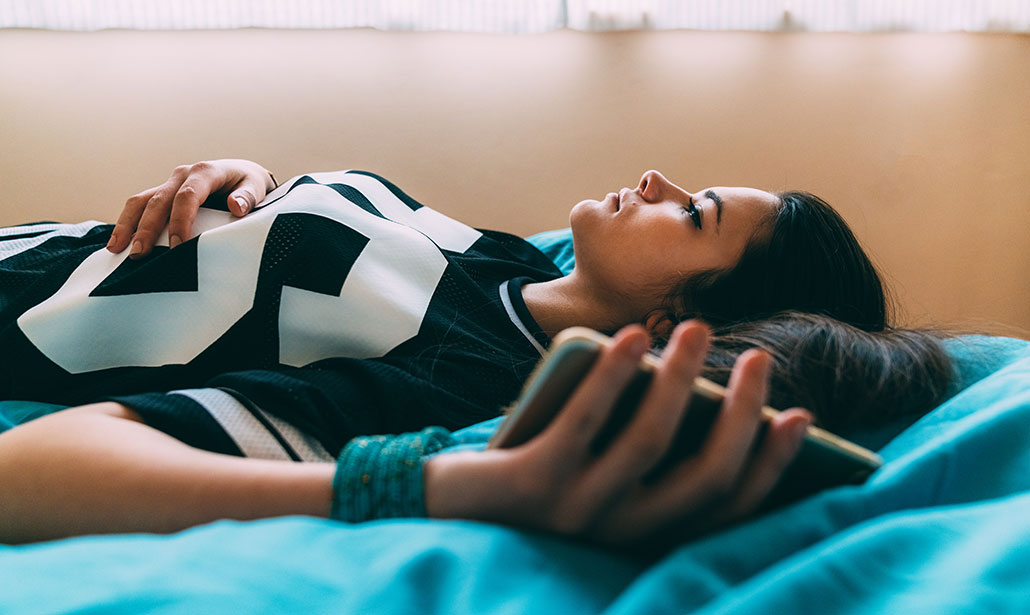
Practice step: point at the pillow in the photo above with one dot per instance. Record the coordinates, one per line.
(557, 246)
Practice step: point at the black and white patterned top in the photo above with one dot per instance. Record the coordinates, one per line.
(339, 307)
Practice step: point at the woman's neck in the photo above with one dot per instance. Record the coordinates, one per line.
(569, 301)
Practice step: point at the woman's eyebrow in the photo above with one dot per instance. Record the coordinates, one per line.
(718, 206)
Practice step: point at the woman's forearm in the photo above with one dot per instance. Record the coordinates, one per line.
(98, 469)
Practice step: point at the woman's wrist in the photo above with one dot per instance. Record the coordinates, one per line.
(479, 485)
(382, 476)
(440, 476)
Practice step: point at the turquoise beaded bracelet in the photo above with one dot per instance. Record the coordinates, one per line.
(379, 477)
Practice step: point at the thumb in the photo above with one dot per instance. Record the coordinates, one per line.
(243, 199)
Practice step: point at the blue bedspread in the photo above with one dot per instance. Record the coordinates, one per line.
(943, 527)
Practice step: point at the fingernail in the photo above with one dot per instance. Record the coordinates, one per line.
(639, 345)
(696, 338)
(137, 247)
(174, 241)
(110, 242)
(243, 204)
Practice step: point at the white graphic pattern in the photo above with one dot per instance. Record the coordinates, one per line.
(382, 302)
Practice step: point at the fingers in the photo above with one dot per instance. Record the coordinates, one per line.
(613, 477)
(734, 431)
(249, 182)
(780, 446)
(174, 204)
(243, 197)
(178, 213)
(590, 405)
(145, 215)
(554, 461)
(701, 484)
(128, 220)
(647, 438)
(204, 179)
(603, 496)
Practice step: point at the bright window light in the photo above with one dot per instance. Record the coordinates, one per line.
(522, 16)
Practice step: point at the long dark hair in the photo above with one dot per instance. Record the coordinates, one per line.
(805, 259)
(847, 377)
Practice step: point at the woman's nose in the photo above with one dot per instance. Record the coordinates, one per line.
(649, 185)
(654, 187)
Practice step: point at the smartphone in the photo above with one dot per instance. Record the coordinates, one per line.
(824, 460)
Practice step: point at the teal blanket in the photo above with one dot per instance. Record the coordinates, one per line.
(943, 527)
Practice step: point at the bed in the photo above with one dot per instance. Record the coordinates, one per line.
(944, 526)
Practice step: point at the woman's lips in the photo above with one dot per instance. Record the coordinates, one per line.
(624, 196)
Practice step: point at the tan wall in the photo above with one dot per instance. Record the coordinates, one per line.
(922, 141)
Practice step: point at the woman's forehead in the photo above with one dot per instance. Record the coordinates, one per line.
(742, 207)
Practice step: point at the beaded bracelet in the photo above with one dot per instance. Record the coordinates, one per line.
(379, 477)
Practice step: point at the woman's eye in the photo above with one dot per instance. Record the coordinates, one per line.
(694, 213)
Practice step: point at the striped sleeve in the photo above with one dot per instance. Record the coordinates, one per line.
(255, 432)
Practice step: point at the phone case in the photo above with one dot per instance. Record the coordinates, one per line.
(825, 460)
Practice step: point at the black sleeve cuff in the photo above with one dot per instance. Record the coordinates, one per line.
(182, 418)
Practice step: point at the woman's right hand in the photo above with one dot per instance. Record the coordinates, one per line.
(175, 202)
(555, 483)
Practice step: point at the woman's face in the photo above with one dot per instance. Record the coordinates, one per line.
(636, 244)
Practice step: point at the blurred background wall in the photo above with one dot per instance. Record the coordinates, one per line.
(922, 141)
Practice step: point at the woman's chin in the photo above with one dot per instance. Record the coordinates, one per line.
(585, 210)
(579, 217)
